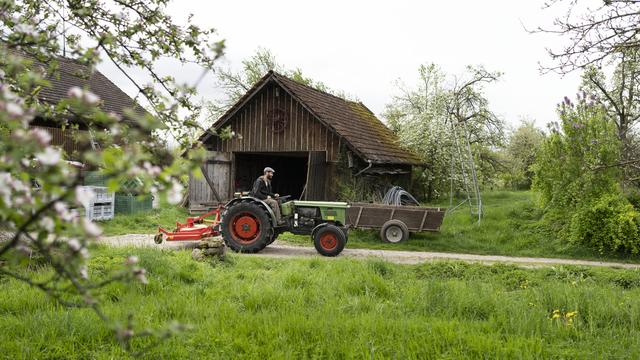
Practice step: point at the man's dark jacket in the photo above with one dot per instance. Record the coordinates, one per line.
(262, 189)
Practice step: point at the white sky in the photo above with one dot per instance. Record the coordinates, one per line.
(362, 47)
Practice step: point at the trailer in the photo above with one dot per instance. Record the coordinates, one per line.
(395, 223)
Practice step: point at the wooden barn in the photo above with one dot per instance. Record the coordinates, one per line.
(306, 135)
(73, 74)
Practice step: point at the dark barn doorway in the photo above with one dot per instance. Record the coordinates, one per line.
(289, 179)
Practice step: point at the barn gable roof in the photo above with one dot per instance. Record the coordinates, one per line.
(71, 73)
(363, 132)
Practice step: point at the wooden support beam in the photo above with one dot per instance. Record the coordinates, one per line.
(210, 183)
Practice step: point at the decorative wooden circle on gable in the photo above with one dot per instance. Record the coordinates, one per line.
(278, 119)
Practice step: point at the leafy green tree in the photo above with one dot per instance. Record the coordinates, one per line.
(621, 97)
(423, 117)
(521, 150)
(578, 181)
(42, 222)
(236, 83)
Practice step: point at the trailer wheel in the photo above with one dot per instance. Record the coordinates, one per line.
(394, 231)
(329, 240)
(246, 227)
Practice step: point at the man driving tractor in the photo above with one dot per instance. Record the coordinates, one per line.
(262, 190)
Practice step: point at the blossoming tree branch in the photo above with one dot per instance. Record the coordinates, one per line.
(39, 189)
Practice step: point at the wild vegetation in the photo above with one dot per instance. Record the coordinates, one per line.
(64, 297)
(249, 307)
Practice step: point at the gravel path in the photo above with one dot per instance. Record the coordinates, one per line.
(281, 250)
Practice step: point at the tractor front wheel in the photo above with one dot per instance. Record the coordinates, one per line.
(246, 227)
(329, 240)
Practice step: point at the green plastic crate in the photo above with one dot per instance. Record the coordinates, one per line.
(131, 204)
(96, 178)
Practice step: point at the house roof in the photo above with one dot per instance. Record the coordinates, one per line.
(363, 132)
(71, 73)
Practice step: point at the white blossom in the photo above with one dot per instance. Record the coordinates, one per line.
(91, 228)
(26, 29)
(42, 136)
(84, 195)
(84, 272)
(47, 223)
(140, 274)
(91, 98)
(49, 156)
(152, 170)
(5, 190)
(174, 195)
(131, 260)
(74, 245)
(63, 211)
(83, 95)
(14, 110)
(75, 92)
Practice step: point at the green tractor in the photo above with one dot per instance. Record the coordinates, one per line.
(249, 224)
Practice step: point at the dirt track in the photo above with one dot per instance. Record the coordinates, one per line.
(281, 250)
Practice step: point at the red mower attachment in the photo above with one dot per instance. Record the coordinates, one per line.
(194, 228)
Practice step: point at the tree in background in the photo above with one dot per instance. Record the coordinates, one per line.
(520, 154)
(595, 35)
(236, 83)
(423, 118)
(41, 224)
(621, 98)
(607, 35)
(580, 193)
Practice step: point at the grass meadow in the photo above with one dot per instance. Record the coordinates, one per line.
(510, 226)
(259, 308)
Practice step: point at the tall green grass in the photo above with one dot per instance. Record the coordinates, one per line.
(258, 308)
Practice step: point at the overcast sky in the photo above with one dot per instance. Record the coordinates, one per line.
(363, 47)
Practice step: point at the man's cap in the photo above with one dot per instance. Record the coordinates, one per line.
(269, 169)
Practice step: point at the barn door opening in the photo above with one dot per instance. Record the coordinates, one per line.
(316, 176)
(290, 167)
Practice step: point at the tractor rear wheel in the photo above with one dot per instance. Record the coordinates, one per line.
(329, 240)
(246, 227)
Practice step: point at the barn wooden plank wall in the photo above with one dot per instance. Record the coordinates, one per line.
(303, 131)
(218, 167)
(64, 138)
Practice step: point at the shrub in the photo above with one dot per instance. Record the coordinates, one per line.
(578, 181)
(607, 224)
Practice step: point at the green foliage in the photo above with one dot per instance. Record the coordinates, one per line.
(578, 181)
(259, 308)
(235, 83)
(522, 147)
(608, 223)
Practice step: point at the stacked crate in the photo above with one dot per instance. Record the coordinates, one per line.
(127, 200)
(101, 206)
